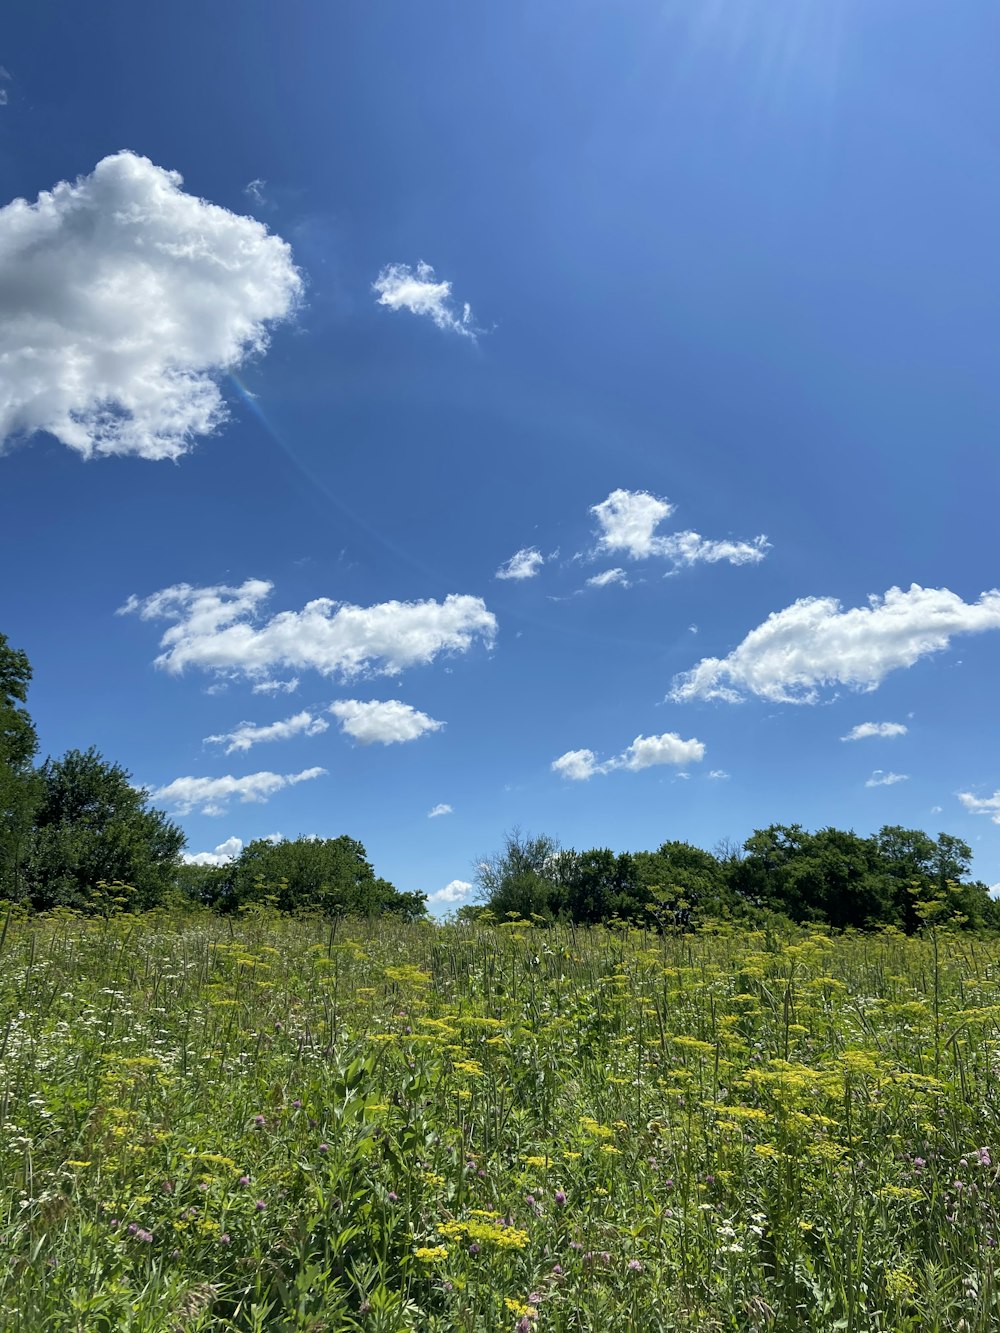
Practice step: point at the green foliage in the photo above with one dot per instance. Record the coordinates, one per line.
(331, 876)
(93, 825)
(18, 784)
(264, 1125)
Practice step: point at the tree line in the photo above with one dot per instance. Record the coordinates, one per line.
(76, 832)
(834, 877)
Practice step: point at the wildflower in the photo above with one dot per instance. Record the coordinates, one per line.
(297, 1103)
(429, 1254)
(244, 1181)
(529, 1199)
(324, 1147)
(474, 1248)
(259, 1122)
(392, 1196)
(634, 1266)
(260, 1205)
(225, 1238)
(560, 1197)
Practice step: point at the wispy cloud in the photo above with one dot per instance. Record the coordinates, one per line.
(644, 752)
(608, 577)
(882, 729)
(438, 810)
(880, 779)
(401, 287)
(250, 733)
(982, 805)
(124, 300)
(523, 564)
(212, 795)
(815, 643)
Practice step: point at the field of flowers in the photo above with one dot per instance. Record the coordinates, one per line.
(279, 1125)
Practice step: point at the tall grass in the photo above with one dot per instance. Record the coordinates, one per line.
(279, 1125)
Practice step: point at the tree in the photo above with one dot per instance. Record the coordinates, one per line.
(328, 875)
(688, 883)
(18, 783)
(519, 878)
(92, 824)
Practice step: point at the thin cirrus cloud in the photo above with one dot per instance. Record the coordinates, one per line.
(442, 809)
(124, 300)
(881, 779)
(982, 805)
(644, 752)
(523, 564)
(607, 577)
(211, 796)
(815, 643)
(248, 734)
(225, 852)
(277, 686)
(417, 290)
(629, 522)
(215, 629)
(382, 721)
(884, 730)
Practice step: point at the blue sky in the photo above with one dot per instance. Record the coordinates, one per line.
(724, 269)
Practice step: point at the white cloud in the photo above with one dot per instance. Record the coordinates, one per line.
(124, 299)
(523, 564)
(814, 643)
(937, 809)
(249, 733)
(607, 577)
(438, 810)
(212, 795)
(880, 779)
(865, 729)
(687, 548)
(982, 805)
(644, 752)
(403, 288)
(578, 765)
(225, 852)
(3, 97)
(213, 629)
(387, 721)
(454, 892)
(628, 522)
(255, 190)
(718, 774)
(277, 686)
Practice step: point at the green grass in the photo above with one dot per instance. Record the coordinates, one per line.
(272, 1125)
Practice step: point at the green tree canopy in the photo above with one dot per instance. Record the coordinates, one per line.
(329, 875)
(18, 785)
(92, 824)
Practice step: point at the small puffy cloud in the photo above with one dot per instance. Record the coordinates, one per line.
(455, 892)
(607, 577)
(277, 686)
(211, 796)
(386, 721)
(880, 779)
(578, 765)
(628, 522)
(225, 852)
(884, 729)
(217, 629)
(982, 805)
(438, 810)
(815, 643)
(403, 288)
(523, 564)
(644, 752)
(249, 733)
(124, 299)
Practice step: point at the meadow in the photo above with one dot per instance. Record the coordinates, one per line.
(278, 1124)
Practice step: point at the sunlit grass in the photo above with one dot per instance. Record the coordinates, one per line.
(280, 1125)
